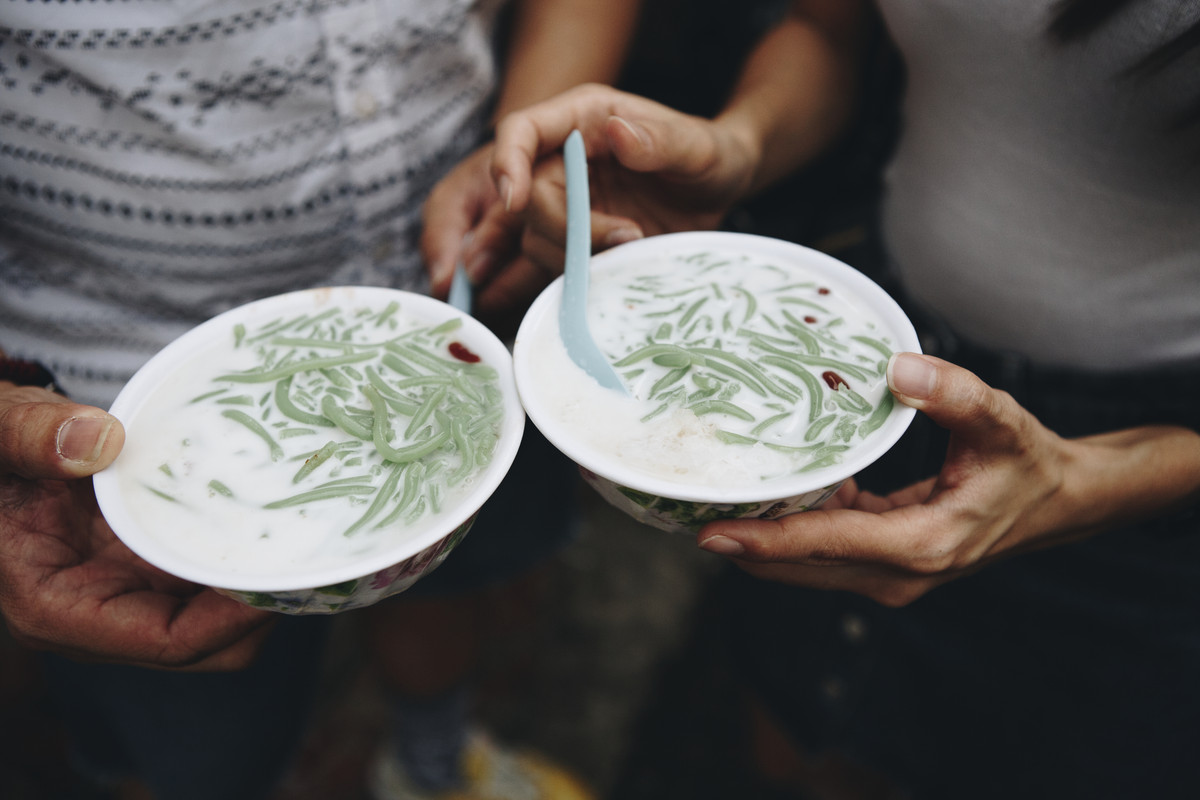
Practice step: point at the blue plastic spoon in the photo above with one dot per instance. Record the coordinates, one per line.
(460, 290)
(572, 315)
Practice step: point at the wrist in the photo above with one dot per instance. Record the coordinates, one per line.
(1133, 474)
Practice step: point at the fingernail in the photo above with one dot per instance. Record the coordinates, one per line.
(629, 126)
(911, 375)
(82, 438)
(504, 186)
(621, 236)
(723, 546)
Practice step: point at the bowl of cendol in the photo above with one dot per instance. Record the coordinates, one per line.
(754, 371)
(315, 451)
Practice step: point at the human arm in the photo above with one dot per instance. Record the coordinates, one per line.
(655, 170)
(552, 46)
(1008, 485)
(67, 584)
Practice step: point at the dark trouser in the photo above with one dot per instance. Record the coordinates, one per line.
(193, 736)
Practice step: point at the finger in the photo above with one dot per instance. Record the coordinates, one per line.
(452, 210)
(513, 288)
(495, 240)
(237, 656)
(547, 227)
(915, 539)
(846, 496)
(524, 137)
(519, 144)
(547, 253)
(205, 631)
(546, 216)
(863, 501)
(915, 494)
(97, 600)
(952, 397)
(446, 232)
(850, 496)
(442, 244)
(214, 632)
(609, 230)
(44, 436)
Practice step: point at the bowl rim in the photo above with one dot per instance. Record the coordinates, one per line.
(841, 274)
(134, 395)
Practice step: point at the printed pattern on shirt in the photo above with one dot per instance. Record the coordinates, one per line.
(159, 164)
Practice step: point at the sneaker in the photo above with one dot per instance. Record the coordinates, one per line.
(489, 772)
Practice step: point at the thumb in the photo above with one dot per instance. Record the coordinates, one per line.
(45, 437)
(951, 396)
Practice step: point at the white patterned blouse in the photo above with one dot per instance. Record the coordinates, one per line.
(161, 162)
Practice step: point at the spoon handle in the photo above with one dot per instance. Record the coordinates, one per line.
(572, 321)
(579, 228)
(460, 290)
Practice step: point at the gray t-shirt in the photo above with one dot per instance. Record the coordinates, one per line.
(163, 162)
(1039, 201)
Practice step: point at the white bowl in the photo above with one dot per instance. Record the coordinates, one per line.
(572, 410)
(306, 564)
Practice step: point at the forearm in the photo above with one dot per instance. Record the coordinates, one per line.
(557, 44)
(1131, 474)
(798, 88)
